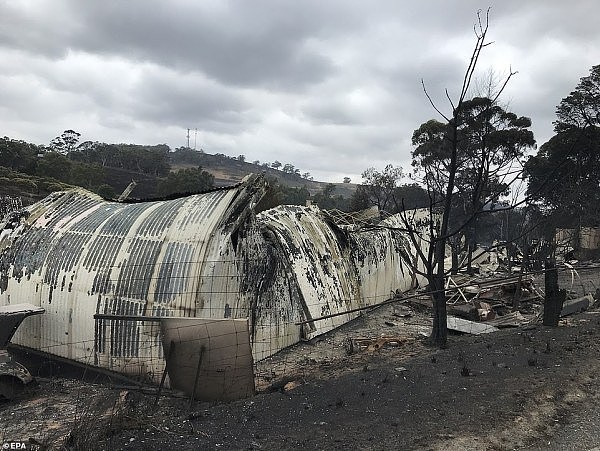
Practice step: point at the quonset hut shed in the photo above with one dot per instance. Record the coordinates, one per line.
(204, 256)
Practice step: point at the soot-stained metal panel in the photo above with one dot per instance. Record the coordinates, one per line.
(136, 275)
(173, 272)
(203, 256)
(78, 255)
(336, 270)
(325, 276)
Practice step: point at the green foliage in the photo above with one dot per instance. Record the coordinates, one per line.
(16, 185)
(279, 194)
(404, 197)
(86, 175)
(186, 181)
(295, 196)
(145, 159)
(327, 201)
(564, 176)
(488, 140)
(378, 188)
(105, 191)
(20, 184)
(66, 142)
(18, 155)
(153, 160)
(185, 155)
(51, 187)
(54, 165)
(581, 108)
(360, 199)
(83, 165)
(60, 167)
(24, 157)
(410, 196)
(25, 184)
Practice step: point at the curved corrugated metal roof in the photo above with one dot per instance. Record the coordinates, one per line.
(77, 255)
(206, 255)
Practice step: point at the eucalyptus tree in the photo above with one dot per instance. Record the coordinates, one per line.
(564, 175)
(468, 161)
(490, 143)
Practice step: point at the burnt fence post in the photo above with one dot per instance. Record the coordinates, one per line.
(555, 297)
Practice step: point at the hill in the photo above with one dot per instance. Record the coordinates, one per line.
(228, 170)
(32, 171)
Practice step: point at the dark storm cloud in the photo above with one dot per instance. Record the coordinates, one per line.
(242, 43)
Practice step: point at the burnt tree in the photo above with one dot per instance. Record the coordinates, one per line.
(467, 163)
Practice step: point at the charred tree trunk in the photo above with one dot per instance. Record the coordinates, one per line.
(455, 253)
(517, 295)
(470, 248)
(439, 334)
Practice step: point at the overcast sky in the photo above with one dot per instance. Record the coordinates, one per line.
(330, 86)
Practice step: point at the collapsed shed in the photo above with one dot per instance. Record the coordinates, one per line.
(203, 256)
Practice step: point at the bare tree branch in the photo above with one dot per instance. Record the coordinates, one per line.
(431, 101)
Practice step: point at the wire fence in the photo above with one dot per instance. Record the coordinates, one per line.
(214, 359)
(247, 339)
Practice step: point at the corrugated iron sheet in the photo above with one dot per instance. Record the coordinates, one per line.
(77, 255)
(337, 269)
(203, 256)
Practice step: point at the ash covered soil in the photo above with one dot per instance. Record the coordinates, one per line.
(520, 388)
(532, 387)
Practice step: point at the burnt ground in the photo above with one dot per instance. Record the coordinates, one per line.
(521, 388)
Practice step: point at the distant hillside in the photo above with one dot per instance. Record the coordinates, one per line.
(28, 187)
(119, 179)
(227, 171)
(32, 171)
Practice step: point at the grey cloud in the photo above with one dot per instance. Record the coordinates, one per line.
(330, 86)
(243, 44)
(170, 98)
(240, 43)
(44, 28)
(328, 113)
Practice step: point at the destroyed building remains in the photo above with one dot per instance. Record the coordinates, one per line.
(203, 256)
